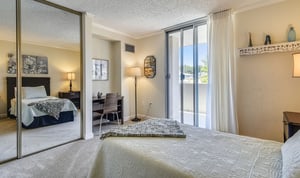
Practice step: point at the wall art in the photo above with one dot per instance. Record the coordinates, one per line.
(100, 69)
(150, 67)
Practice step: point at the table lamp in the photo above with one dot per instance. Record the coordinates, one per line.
(71, 76)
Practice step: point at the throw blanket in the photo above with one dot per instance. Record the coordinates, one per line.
(148, 128)
(50, 106)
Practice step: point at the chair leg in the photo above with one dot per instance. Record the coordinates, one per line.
(117, 118)
(100, 133)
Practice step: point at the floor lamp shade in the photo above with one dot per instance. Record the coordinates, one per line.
(296, 72)
(134, 72)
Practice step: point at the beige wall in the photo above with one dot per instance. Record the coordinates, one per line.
(265, 87)
(123, 60)
(152, 90)
(60, 61)
(105, 49)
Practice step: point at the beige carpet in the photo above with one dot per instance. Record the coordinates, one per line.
(67, 161)
(34, 140)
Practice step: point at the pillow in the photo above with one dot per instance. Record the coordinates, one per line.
(291, 157)
(34, 92)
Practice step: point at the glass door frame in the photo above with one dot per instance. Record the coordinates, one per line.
(180, 28)
(19, 71)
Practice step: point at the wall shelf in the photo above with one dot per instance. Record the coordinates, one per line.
(272, 48)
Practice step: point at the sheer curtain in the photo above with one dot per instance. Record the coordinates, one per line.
(221, 112)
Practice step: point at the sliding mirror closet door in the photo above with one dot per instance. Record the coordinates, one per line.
(51, 70)
(8, 125)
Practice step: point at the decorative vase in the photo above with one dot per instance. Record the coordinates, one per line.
(291, 35)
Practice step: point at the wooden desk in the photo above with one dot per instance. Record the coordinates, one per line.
(98, 106)
(291, 124)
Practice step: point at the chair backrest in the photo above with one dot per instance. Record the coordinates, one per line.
(111, 102)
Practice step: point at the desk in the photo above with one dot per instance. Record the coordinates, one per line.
(291, 124)
(98, 106)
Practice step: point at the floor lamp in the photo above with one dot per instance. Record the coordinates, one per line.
(134, 72)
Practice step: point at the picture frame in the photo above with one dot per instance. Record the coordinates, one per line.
(100, 69)
(35, 64)
(150, 67)
(31, 64)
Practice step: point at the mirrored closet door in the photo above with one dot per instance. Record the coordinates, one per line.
(51, 60)
(8, 126)
(40, 79)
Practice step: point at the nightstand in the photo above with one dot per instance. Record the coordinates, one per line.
(291, 124)
(74, 96)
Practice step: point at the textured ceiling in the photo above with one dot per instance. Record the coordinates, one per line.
(135, 18)
(139, 18)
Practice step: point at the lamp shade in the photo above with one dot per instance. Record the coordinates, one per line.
(134, 71)
(296, 72)
(71, 76)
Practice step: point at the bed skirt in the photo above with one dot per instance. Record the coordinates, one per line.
(47, 120)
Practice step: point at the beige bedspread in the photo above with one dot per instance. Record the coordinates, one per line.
(202, 153)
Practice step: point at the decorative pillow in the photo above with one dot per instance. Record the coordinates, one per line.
(34, 92)
(291, 157)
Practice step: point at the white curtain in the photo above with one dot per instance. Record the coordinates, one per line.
(221, 112)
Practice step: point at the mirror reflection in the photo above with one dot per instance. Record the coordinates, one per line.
(50, 67)
(50, 50)
(8, 137)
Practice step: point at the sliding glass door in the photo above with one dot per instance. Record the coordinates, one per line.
(187, 71)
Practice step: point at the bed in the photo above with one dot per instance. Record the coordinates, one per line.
(36, 90)
(203, 153)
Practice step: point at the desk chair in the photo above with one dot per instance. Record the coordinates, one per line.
(110, 106)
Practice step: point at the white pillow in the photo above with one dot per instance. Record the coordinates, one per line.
(34, 92)
(291, 157)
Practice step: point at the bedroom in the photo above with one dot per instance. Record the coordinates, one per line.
(259, 111)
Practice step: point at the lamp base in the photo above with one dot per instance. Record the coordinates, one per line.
(136, 119)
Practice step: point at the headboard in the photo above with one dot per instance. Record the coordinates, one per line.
(26, 82)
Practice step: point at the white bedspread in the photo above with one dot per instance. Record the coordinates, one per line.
(28, 112)
(203, 153)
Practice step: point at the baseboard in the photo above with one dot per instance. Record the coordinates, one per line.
(3, 116)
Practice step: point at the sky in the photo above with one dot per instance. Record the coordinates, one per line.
(188, 54)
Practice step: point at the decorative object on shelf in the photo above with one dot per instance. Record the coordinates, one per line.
(280, 47)
(291, 35)
(150, 67)
(296, 72)
(35, 64)
(268, 40)
(12, 64)
(71, 76)
(250, 41)
(134, 72)
(100, 69)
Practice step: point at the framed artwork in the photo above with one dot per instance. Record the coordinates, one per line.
(12, 64)
(31, 64)
(35, 64)
(150, 67)
(100, 69)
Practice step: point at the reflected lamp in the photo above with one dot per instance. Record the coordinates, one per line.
(71, 76)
